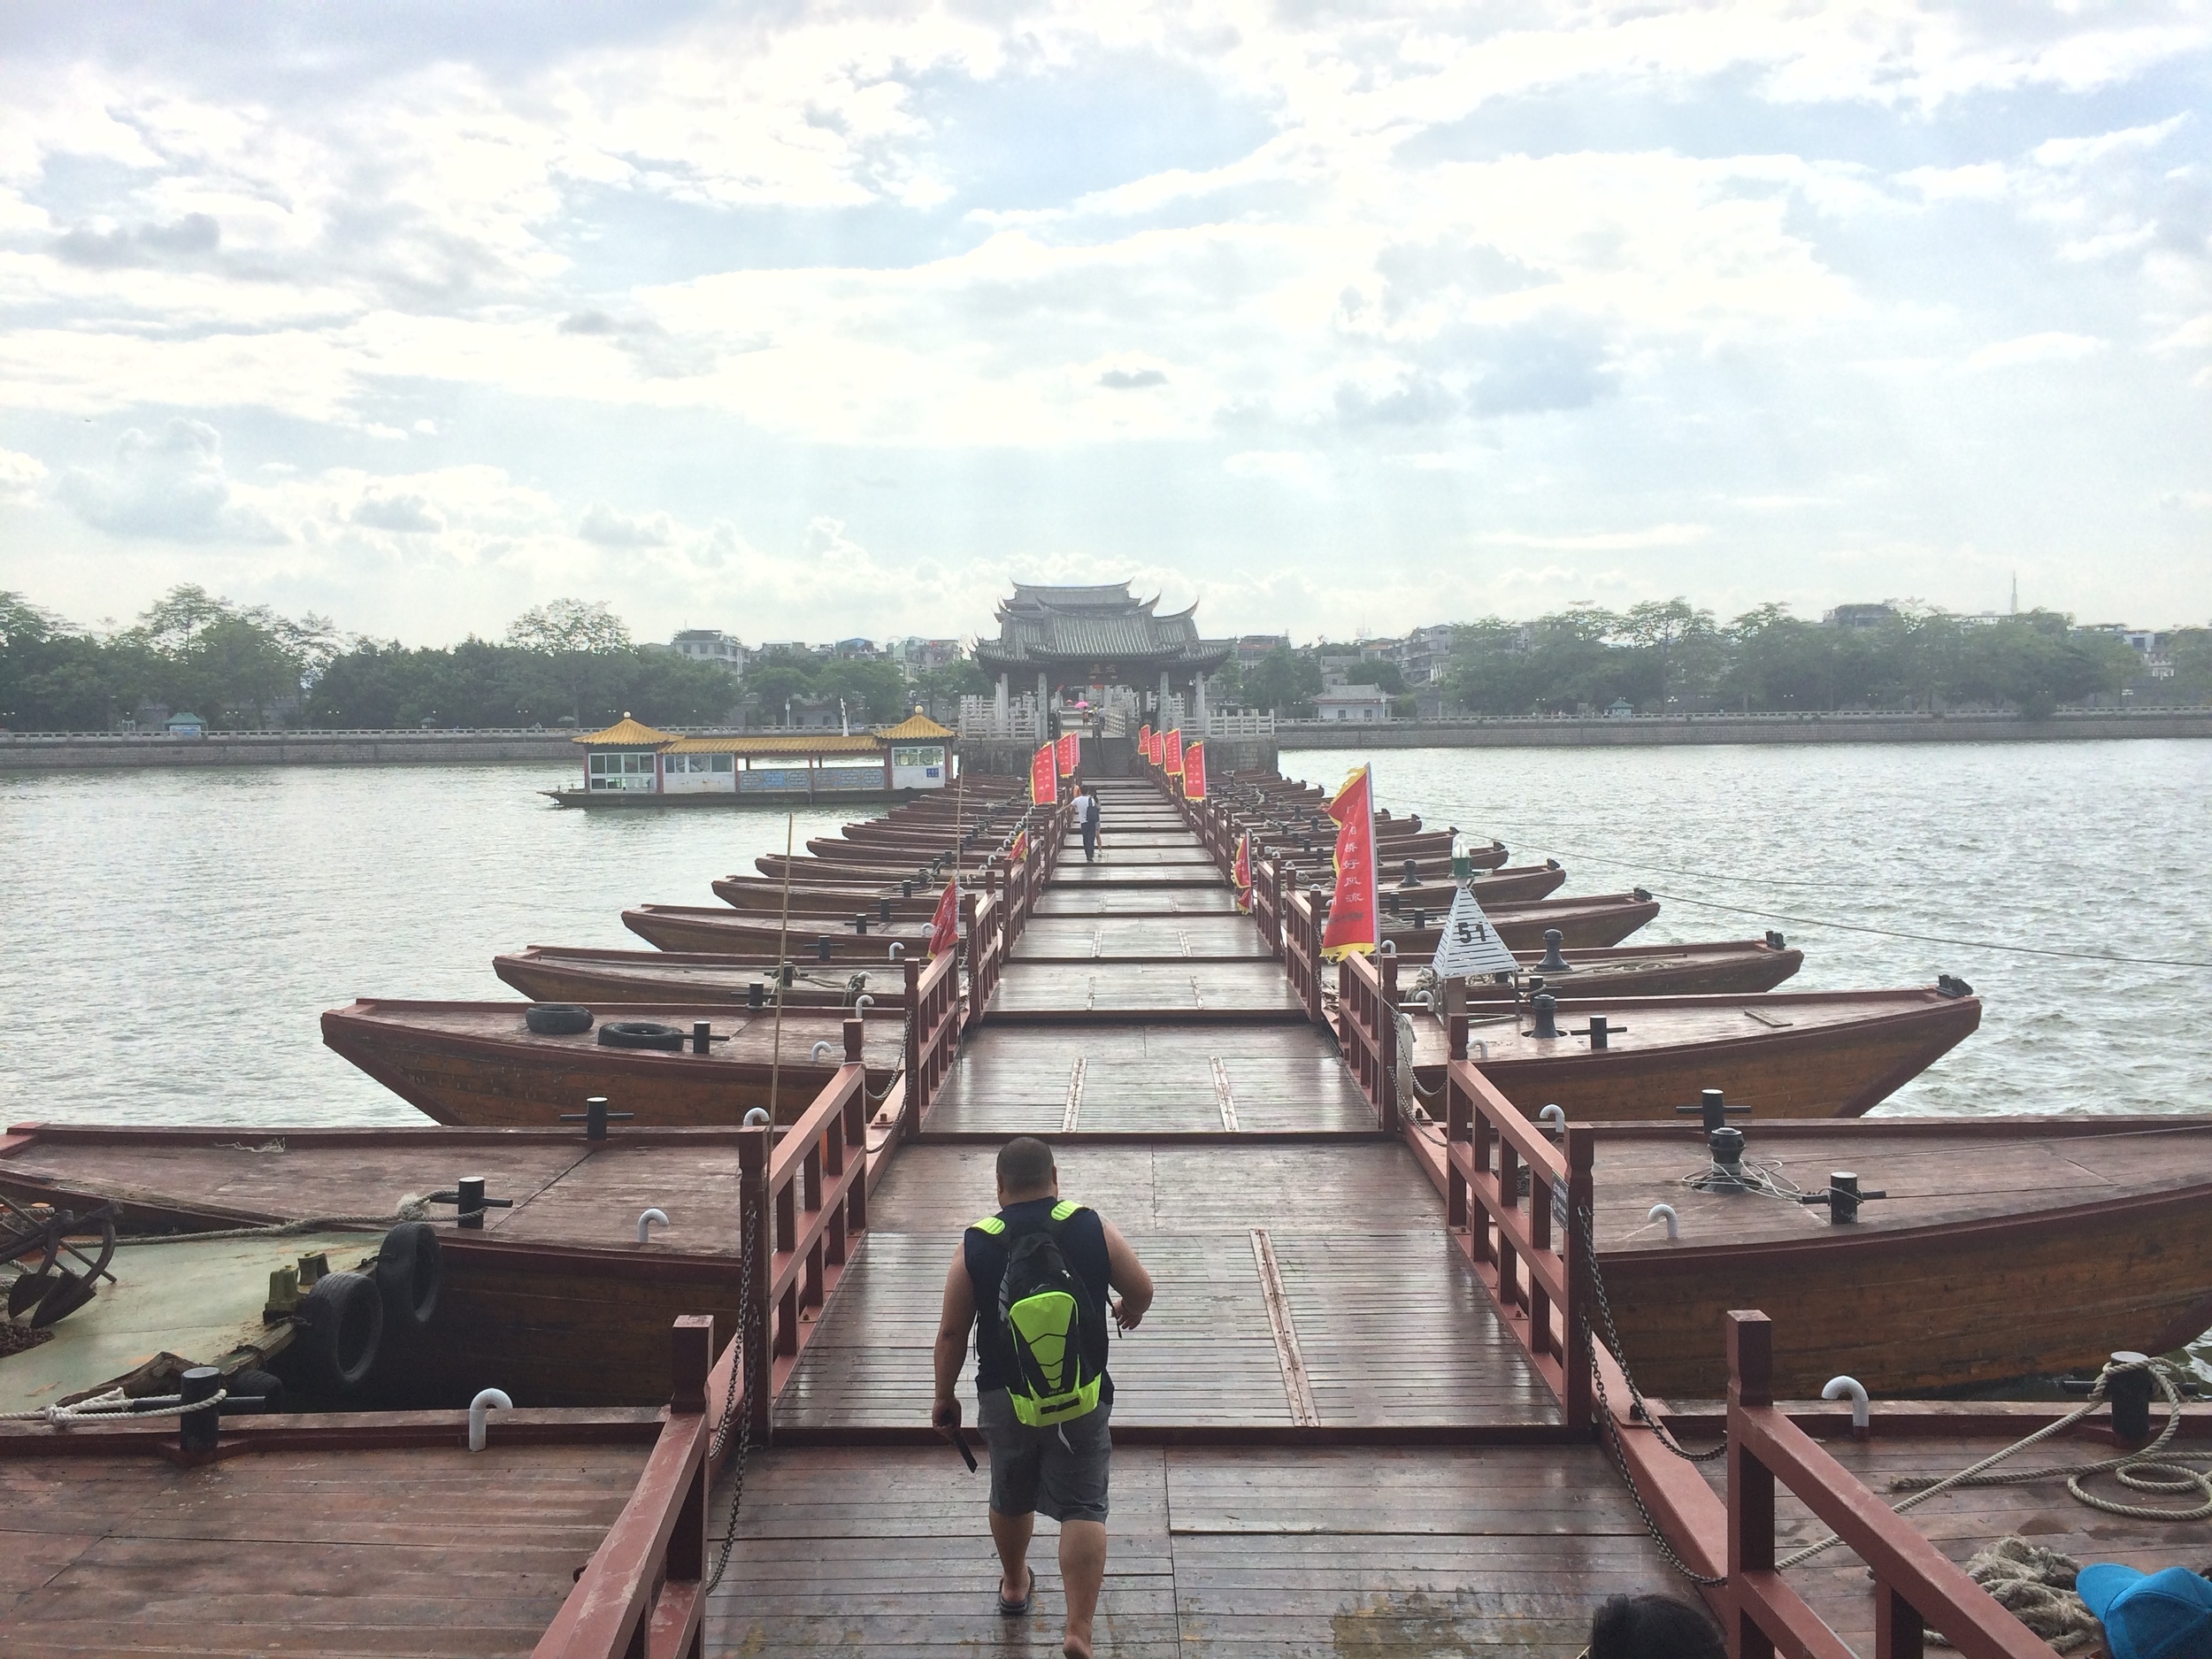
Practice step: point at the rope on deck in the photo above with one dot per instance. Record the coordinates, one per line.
(410, 1208)
(115, 1403)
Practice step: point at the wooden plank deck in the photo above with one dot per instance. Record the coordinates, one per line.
(1209, 1356)
(1043, 1079)
(881, 1552)
(1211, 988)
(420, 1550)
(1077, 939)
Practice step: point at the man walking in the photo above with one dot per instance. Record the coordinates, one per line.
(1042, 1395)
(1087, 820)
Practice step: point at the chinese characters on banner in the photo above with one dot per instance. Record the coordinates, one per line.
(1241, 872)
(1044, 777)
(944, 925)
(1157, 753)
(1195, 771)
(1069, 752)
(1144, 741)
(1353, 925)
(1174, 753)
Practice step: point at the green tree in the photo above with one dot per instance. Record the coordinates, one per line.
(1284, 681)
(873, 690)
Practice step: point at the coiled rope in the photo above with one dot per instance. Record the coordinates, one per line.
(114, 1404)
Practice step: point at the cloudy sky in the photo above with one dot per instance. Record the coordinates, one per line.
(808, 320)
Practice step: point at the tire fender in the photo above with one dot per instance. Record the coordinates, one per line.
(409, 1273)
(341, 1326)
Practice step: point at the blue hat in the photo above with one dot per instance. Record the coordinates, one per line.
(2157, 1615)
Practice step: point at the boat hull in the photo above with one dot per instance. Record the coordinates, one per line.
(1931, 1309)
(743, 934)
(1829, 1070)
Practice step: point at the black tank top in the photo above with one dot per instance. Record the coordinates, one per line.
(1082, 1241)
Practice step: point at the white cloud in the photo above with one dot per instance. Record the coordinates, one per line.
(609, 528)
(1604, 541)
(2054, 346)
(166, 486)
(19, 475)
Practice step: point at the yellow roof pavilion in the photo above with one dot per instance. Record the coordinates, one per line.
(624, 733)
(793, 743)
(916, 728)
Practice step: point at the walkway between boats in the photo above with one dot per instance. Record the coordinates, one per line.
(1327, 1437)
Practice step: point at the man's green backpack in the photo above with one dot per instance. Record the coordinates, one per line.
(1053, 1327)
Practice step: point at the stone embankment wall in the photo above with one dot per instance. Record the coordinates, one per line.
(45, 751)
(1735, 728)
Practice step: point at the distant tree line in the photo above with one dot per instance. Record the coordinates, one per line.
(1667, 655)
(244, 667)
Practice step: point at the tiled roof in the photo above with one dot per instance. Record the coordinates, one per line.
(626, 733)
(917, 726)
(795, 744)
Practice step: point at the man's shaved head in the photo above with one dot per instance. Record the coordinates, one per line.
(1025, 1168)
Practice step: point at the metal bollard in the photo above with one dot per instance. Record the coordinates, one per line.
(196, 1431)
(822, 948)
(1598, 1029)
(1726, 1146)
(2130, 1393)
(702, 1036)
(596, 1117)
(1413, 873)
(1843, 1196)
(1553, 962)
(1547, 1010)
(756, 994)
(1713, 1108)
(883, 911)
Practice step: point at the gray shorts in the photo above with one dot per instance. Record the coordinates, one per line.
(1059, 1470)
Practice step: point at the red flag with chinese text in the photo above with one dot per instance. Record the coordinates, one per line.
(1353, 925)
(1069, 752)
(944, 926)
(1174, 761)
(1044, 777)
(1195, 771)
(1144, 740)
(1158, 751)
(1241, 871)
(1017, 849)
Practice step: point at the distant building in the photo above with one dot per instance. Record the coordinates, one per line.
(1253, 648)
(1620, 708)
(711, 645)
(854, 648)
(919, 656)
(185, 725)
(1427, 654)
(1353, 702)
(1859, 615)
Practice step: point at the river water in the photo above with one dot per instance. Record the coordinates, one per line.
(170, 937)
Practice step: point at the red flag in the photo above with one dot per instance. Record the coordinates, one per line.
(1019, 848)
(1174, 761)
(944, 926)
(1241, 871)
(1353, 923)
(1155, 747)
(1144, 740)
(1195, 771)
(1071, 750)
(1044, 778)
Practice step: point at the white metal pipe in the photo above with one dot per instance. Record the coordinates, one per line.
(1553, 1117)
(897, 950)
(756, 1118)
(863, 1002)
(479, 1409)
(1673, 1221)
(819, 1049)
(1861, 1414)
(646, 1218)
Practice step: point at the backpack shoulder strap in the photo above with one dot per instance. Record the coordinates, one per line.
(992, 1224)
(1067, 1209)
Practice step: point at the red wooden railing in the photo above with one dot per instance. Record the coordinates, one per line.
(804, 1201)
(1301, 918)
(1367, 1003)
(933, 1022)
(1526, 1248)
(642, 1595)
(1916, 1585)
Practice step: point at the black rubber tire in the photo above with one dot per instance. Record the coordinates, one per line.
(557, 1019)
(257, 1385)
(641, 1034)
(341, 1327)
(409, 1272)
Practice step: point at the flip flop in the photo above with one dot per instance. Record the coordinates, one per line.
(1015, 1609)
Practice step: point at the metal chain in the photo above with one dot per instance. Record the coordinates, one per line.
(735, 1412)
(1620, 1462)
(1636, 1409)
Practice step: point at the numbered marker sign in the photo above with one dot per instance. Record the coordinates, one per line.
(1471, 946)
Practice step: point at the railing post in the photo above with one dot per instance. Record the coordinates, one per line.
(1574, 1362)
(917, 1088)
(752, 1163)
(1386, 1044)
(691, 1356)
(1899, 1631)
(1750, 1482)
(1459, 1130)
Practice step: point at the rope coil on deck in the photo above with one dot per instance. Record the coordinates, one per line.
(2141, 1471)
(115, 1403)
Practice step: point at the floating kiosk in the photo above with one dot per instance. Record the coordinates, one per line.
(631, 764)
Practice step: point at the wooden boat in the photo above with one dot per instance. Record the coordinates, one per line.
(1588, 923)
(1784, 1054)
(718, 930)
(2102, 1225)
(554, 1301)
(1433, 895)
(477, 1064)
(807, 871)
(557, 974)
(1728, 966)
(758, 896)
